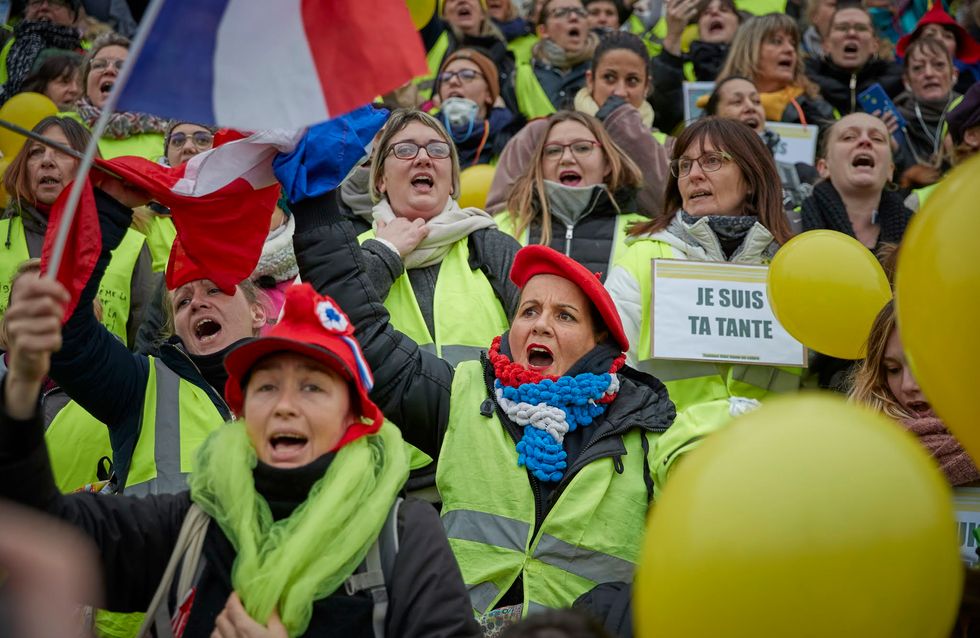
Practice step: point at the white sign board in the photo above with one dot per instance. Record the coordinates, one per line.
(966, 502)
(797, 143)
(709, 311)
(692, 92)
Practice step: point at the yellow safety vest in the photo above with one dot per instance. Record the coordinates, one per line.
(532, 101)
(460, 292)
(591, 535)
(76, 441)
(177, 417)
(694, 382)
(521, 48)
(114, 289)
(160, 239)
(505, 225)
(147, 145)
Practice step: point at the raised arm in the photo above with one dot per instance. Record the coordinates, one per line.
(93, 367)
(411, 387)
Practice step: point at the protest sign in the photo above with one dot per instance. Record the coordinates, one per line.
(797, 143)
(707, 311)
(692, 92)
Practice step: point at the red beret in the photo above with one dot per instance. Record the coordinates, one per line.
(541, 260)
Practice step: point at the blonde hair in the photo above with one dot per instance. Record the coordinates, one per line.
(396, 123)
(253, 295)
(528, 200)
(745, 52)
(869, 384)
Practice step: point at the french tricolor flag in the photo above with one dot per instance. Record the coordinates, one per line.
(260, 64)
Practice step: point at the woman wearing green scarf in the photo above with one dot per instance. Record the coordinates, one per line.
(293, 509)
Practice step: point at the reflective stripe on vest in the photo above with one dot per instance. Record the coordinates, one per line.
(693, 382)
(76, 441)
(505, 224)
(591, 535)
(114, 289)
(177, 417)
(532, 100)
(459, 289)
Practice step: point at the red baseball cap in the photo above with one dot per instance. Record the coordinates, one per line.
(542, 260)
(967, 49)
(314, 326)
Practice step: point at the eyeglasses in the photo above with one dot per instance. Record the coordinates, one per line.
(201, 139)
(564, 12)
(465, 75)
(580, 149)
(709, 163)
(410, 150)
(844, 27)
(102, 64)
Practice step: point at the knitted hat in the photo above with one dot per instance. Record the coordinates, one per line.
(966, 115)
(542, 260)
(313, 326)
(486, 65)
(967, 49)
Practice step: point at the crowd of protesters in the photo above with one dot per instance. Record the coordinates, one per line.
(424, 418)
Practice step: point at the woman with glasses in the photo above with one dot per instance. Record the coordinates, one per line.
(578, 194)
(723, 204)
(766, 50)
(127, 133)
(469, 105)
(429, 259)
(559, 61)
(466, 24)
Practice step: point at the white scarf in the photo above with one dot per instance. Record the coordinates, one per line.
(445, 229)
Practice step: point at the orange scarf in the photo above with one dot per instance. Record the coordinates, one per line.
(775, 103)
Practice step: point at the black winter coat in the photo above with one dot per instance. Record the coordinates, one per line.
(841, 88)
(136, 536)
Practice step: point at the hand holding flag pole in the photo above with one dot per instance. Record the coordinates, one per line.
(57, 253)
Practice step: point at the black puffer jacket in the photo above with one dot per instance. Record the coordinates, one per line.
(841, 88)
(136, 536)
(592, 239)
(669, 75)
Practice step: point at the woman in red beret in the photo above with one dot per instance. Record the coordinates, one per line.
(542, 446)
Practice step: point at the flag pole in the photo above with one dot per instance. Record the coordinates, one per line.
(57, 253)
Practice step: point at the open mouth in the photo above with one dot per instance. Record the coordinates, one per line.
(570, 178)
(423, 182)
(863, 160)
(463, 12)
(48, 180)
(752, 121)
(851, 48)
(715, 27)
(206, 330)
(921, 408)
(539, 357)
(106, 87)
(287, 446)
(699, 194)
(575, 32)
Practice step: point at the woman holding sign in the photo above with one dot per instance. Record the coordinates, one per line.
(723, 204)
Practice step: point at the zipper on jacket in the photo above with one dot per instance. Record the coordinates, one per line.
(854, 79)
(515, 434)
(569, 234)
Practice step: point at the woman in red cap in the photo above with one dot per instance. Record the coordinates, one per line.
(309, 535)
(964, 50)
(542, 445)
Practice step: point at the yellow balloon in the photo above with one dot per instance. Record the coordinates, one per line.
(421, 11)
(826, 289)
(474, 185)
(808, 517)
(937, 300)
(24, 110)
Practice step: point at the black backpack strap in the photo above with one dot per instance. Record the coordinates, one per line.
(377, 569)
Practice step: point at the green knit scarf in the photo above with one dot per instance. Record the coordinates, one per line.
(290, 563)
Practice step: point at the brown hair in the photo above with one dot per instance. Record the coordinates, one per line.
(926, 46)
(744, 55)
(396, 123)
(749, 152)
(528, 200)
(869, 384)
(16, 180)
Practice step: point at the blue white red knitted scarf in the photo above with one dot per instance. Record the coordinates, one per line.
(549, 407)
